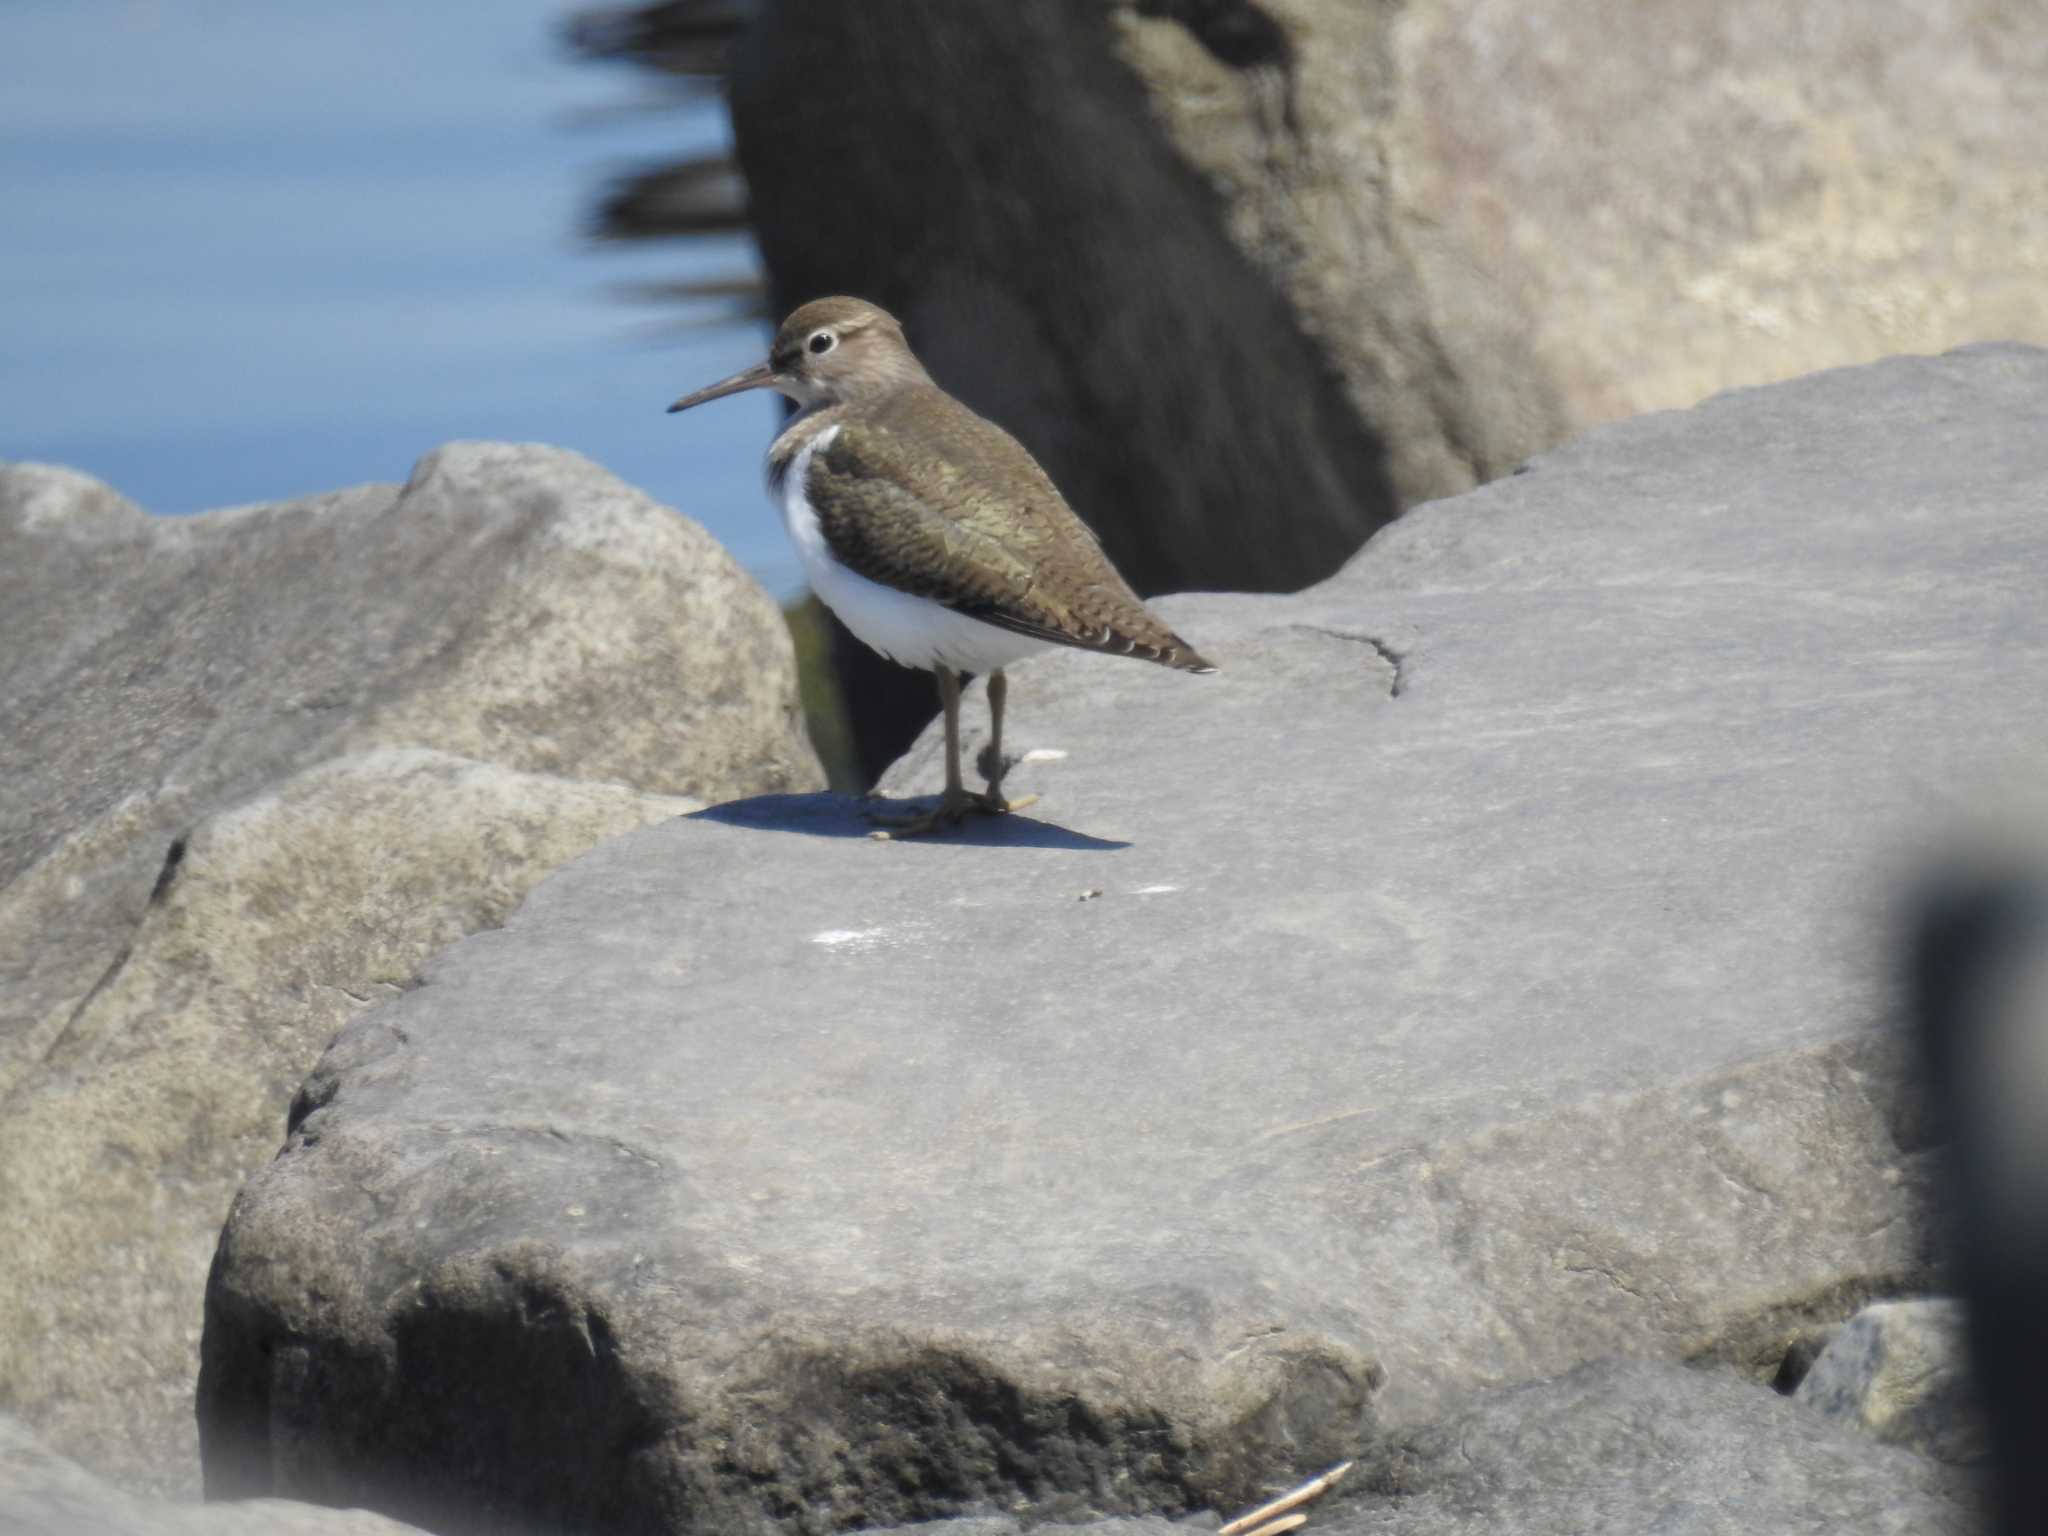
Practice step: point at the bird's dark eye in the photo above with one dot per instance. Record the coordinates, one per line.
(823, 341)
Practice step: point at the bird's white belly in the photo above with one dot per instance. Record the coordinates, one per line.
(914, 631)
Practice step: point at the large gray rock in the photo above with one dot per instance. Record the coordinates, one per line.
(44, 1494)
(232, 816)
(1899, 1371)
(1484, 973)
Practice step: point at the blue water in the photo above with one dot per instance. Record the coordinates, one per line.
(250, 250)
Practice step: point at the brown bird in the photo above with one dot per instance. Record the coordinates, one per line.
(931, 532)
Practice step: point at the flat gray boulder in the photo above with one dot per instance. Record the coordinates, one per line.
(1483, 974)
(254, 767)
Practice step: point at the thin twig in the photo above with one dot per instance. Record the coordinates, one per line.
(1251, 1524)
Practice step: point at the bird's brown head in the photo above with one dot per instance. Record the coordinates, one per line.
(828, 351)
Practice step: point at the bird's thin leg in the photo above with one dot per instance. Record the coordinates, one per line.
(949, 700)
(992, 764)
(955, 802)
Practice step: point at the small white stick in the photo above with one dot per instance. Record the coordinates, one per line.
(1249, 1524)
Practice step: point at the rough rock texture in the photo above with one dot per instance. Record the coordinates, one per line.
(1484, 973)
(1615, 1447)
(282, 919)
(514, 604)
(1898, 1370)
(199, 885)
(1645, 1446)
(44, 1494)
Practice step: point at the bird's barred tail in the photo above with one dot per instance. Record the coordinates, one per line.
(1169, 650)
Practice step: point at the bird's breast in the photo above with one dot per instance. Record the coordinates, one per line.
(787, 474)
(802, 432)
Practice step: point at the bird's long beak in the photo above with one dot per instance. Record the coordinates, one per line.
(760, 376)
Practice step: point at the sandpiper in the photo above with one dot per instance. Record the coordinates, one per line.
(931, 532)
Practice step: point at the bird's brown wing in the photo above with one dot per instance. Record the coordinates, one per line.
(926, 497)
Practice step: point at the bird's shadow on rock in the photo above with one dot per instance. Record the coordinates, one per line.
(829, 815)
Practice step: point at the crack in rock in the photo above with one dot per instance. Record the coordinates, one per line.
(1396, 658)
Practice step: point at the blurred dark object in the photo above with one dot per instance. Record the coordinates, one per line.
(1979, 992)
(703, 196)
(690, 39)
(1057, 266)
(689, 43)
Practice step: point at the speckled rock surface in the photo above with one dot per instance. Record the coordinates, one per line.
(1615, 1447)
(1628, 1446)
